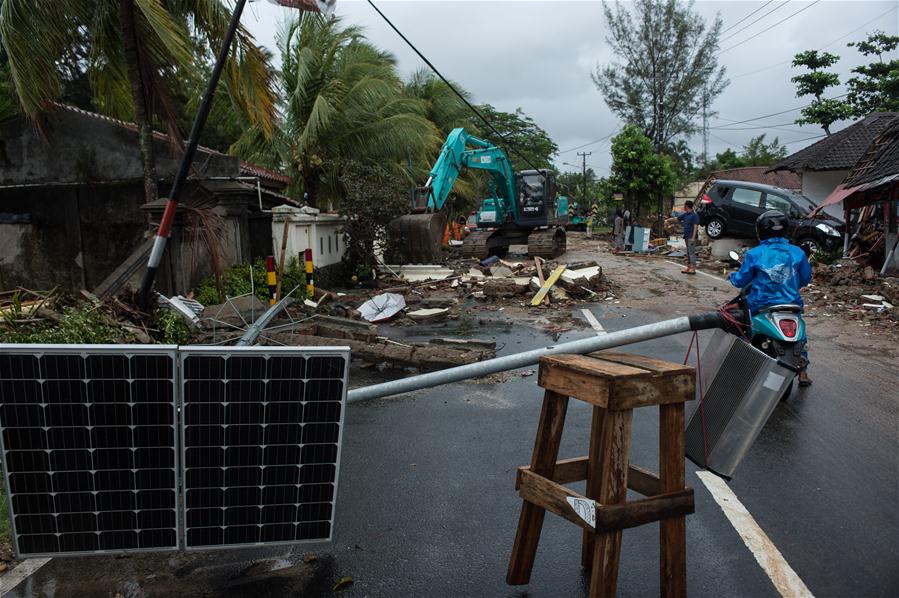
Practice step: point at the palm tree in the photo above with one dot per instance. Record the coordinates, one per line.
(444, 108)
(344, 100)
(137, 50)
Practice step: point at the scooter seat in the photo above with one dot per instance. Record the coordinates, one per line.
(782, 307)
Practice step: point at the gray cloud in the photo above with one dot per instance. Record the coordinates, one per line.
(538, 55)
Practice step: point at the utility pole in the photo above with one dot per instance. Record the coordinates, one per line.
(705, 125)
(584, 169)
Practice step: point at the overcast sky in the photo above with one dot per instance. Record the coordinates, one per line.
(538, 55)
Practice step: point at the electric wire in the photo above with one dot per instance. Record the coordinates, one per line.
(747, 16)
(769, 28)
(778, 7)
(748, 120)
(590, 143)
(827, 45)
(453, 88)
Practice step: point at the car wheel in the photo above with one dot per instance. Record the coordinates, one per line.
(715, 228)
(809, 244)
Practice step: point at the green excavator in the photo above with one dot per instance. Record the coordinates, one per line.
(521, 211)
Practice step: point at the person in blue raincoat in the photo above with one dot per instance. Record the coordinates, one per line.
(777, 270)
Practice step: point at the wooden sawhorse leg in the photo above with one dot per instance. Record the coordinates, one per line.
(543, 462)
(672, 531)
(610, 463)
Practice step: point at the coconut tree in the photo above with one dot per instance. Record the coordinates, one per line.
(344, 100)
(136, 52)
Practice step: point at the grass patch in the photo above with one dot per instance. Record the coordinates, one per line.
(236, 281)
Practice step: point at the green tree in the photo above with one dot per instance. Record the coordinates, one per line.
(668, 70)
(526, 143)
(132, 51)
(759, 153)
(876, 86)
(444, 108)
(822, 111)
(344, 100)
(638, 171)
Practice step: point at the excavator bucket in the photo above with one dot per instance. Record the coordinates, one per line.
(419, 236)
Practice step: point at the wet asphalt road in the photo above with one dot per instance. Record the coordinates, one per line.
(427, 505)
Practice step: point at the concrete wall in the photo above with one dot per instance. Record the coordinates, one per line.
(76, 237)
(323, 233)
(74, 147)
(816, 185)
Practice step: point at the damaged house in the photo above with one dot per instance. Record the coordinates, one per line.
(73, 215)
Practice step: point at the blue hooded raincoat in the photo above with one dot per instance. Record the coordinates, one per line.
(777, 270)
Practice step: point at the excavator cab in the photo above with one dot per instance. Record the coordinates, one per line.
(536, 197)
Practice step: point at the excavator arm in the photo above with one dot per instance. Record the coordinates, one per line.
(456, 155)
(421, 232)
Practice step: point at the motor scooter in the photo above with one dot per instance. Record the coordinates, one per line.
(778, 331)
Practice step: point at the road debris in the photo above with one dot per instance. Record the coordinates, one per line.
(382, 307)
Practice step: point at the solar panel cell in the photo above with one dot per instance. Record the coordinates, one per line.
(245, 443)
(75, 475)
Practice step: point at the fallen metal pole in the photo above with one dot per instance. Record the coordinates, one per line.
(518, 360)
(259, 325)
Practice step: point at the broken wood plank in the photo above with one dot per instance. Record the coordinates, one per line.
(550, 282)
(540, 278)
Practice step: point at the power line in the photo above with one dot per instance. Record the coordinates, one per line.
(747, 16)
(828, 44)
(749, 120)
(453, 88)
(778, 7)
(754, 128)
(806, 139)
(591, 143)
(804, 8)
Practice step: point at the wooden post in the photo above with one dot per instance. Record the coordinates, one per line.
(594, 475)
(613, 452)
(673, 531)
(281, 260)
(543, 462)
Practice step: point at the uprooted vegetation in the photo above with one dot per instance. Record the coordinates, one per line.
(60, 318)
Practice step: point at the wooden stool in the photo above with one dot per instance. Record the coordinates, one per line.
(614, 383)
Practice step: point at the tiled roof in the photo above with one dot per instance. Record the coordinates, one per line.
(246, 168)
(757, 174)
(881, 161)
(841, 150)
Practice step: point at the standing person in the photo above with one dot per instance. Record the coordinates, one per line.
(618, 231)
(690, 221)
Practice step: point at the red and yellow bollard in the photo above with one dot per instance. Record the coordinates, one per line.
(270, 278)
(310, 281)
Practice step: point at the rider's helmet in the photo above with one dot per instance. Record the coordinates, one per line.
(771, 224)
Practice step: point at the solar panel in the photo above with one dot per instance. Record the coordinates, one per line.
(87, 436)
(261, 431)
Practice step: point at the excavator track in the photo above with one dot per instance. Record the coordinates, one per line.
(549, 243)
(476, 244)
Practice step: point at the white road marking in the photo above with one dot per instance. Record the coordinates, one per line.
(699, 272)
(17, 575)
(762, 548)
(594, 323)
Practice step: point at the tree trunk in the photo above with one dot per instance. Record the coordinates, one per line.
(138, 94)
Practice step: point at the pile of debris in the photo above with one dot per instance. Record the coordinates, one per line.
(866, 245)
(851, 290)
(493, 280)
